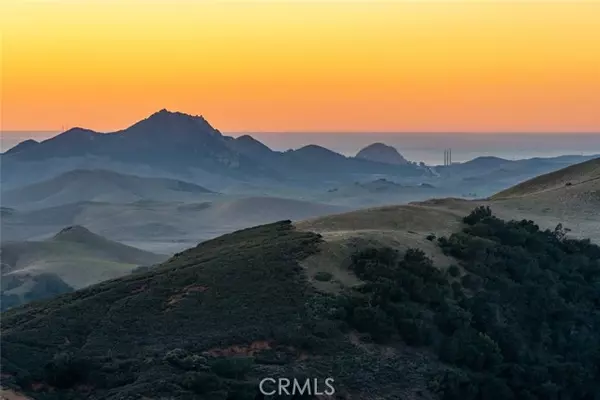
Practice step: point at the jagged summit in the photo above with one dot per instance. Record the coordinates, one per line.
(180, 143)
(382, 153)
(164, 113)
(171, 124)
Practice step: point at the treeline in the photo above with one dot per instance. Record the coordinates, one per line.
(517, 318)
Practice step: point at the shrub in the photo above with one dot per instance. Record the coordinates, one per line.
(65, 370)
(232, 367)
(201, 382)
(454, 271)
(323, 276)
(477, 215)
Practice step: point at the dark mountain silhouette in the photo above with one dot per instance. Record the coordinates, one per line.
(319, 160)
(383, 153)
(172, 126)
(250, 147)
(178, 142)
(168, 140)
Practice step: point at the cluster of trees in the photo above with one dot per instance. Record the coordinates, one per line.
(517, 318)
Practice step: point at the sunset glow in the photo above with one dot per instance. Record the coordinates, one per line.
(303, 66)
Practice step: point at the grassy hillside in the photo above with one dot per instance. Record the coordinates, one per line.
(512, 315)
(577, 174)
(72, 259)
(570, 196)
(214, 318)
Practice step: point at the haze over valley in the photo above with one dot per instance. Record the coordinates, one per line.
(171, 180)
(301, 267)
(285, 200)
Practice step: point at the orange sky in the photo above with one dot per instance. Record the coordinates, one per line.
(472, 65)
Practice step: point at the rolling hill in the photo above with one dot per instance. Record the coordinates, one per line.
(547, 199)
(379, 192)
(485, 176)
(71, 259)
(247, 306)
(162, 227)
(214, 320)
(586, 174)
(102, 186)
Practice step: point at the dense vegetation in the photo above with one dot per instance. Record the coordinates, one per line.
(168, 331)
(207, 324)
(518, 318)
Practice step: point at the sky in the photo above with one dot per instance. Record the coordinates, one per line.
(283, 66)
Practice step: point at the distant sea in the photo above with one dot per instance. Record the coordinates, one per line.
(426, 147)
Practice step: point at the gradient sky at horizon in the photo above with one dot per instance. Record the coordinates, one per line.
(476, 65)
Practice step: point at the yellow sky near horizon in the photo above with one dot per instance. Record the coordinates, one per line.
(478, 65)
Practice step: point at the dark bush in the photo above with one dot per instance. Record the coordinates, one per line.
(454, 271)
(232, 367)
(65, 370)
(521, 322)
(323, 276)
(477, 215)
(201, 382)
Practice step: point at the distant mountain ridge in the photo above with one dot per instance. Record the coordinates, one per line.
(179, 142)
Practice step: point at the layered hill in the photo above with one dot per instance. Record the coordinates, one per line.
(379, 192)
(158, 226)
(485, 176)
(102, 186)
(214, 320)
(569, 196)
(71, 259)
